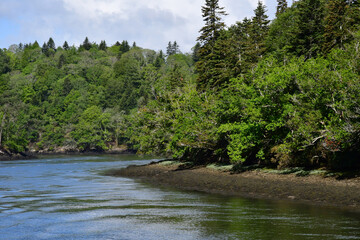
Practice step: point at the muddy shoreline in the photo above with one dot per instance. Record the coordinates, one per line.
(314, 190)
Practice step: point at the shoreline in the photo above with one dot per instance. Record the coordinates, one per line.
(6, 156)
(313, 190)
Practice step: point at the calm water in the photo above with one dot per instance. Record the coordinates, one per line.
(69, 198)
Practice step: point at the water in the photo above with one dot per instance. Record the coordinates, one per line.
(69, 198)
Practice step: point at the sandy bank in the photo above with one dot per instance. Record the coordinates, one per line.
(254, 184)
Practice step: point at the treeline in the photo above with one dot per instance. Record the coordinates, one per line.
(78, 98)
(280, 93)
(277, 93)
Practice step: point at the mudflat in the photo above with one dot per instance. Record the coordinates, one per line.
(252, 184)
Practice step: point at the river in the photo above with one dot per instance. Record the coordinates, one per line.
(69, 197)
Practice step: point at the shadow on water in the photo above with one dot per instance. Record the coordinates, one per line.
(68, 198)
(224, 217)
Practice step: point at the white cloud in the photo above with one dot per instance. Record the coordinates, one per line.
(254, 3)
(150, 23)
(97, 8)
(124, 8)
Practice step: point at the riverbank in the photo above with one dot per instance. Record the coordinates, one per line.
(257, 184)
(32, 154)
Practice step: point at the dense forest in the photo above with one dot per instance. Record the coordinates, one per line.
(278, 93)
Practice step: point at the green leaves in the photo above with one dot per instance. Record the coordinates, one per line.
(301, 107)
(91, 133)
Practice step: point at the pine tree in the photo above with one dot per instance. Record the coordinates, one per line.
(195, 52)
(176, 48)
(86, 44)
(309, 31)
(51, 44)
(161, 55)
(66, 46)
(45, 49)
(172, 48)
(352, 23)
(169, 49)
(124, 47)
(36, 44)
(259, 31)
(159, 60)
(212, 14)
(102, 45)
(209, 34)
(281, 7)
(334, 29)
(241, 46)
(4, 64)
(62, 61)
(341, 21)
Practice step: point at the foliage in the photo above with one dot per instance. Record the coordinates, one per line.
(284, 94)
(212, 14)
(281, 7)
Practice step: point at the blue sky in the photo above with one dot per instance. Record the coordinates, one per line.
(151, 24)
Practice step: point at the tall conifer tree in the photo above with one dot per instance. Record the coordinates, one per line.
(169, 49)
(209, 34)
(45, 49)
(86, 44)
(66, 46)
(103, 45)
(308, 36)
(281, 7)
(260, 29)
(51, 44)
(341, 20)
(176, 47)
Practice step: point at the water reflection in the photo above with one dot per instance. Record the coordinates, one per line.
(256, 219)
(68, 198)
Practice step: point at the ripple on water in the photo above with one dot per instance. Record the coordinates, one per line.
(68, 198)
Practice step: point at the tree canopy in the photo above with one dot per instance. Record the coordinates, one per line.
(280, 93)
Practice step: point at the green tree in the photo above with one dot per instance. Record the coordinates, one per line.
(170, 49)
(4, 62)
(51, 44)
(212, 15)
(334, 29)
(258, 33)
(339, 23)
(176, 48)
(195, 52)
(86, 44)
(299, 31)
(66, 46)
(159, 60)
(45, 49)
(124, 47)
(61, 61)
(91, 133)
(103, 46)
(281, 7)
(309, 28)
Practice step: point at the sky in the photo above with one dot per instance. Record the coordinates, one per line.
(151, 24)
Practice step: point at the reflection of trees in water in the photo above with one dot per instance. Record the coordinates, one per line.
(237, 218)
